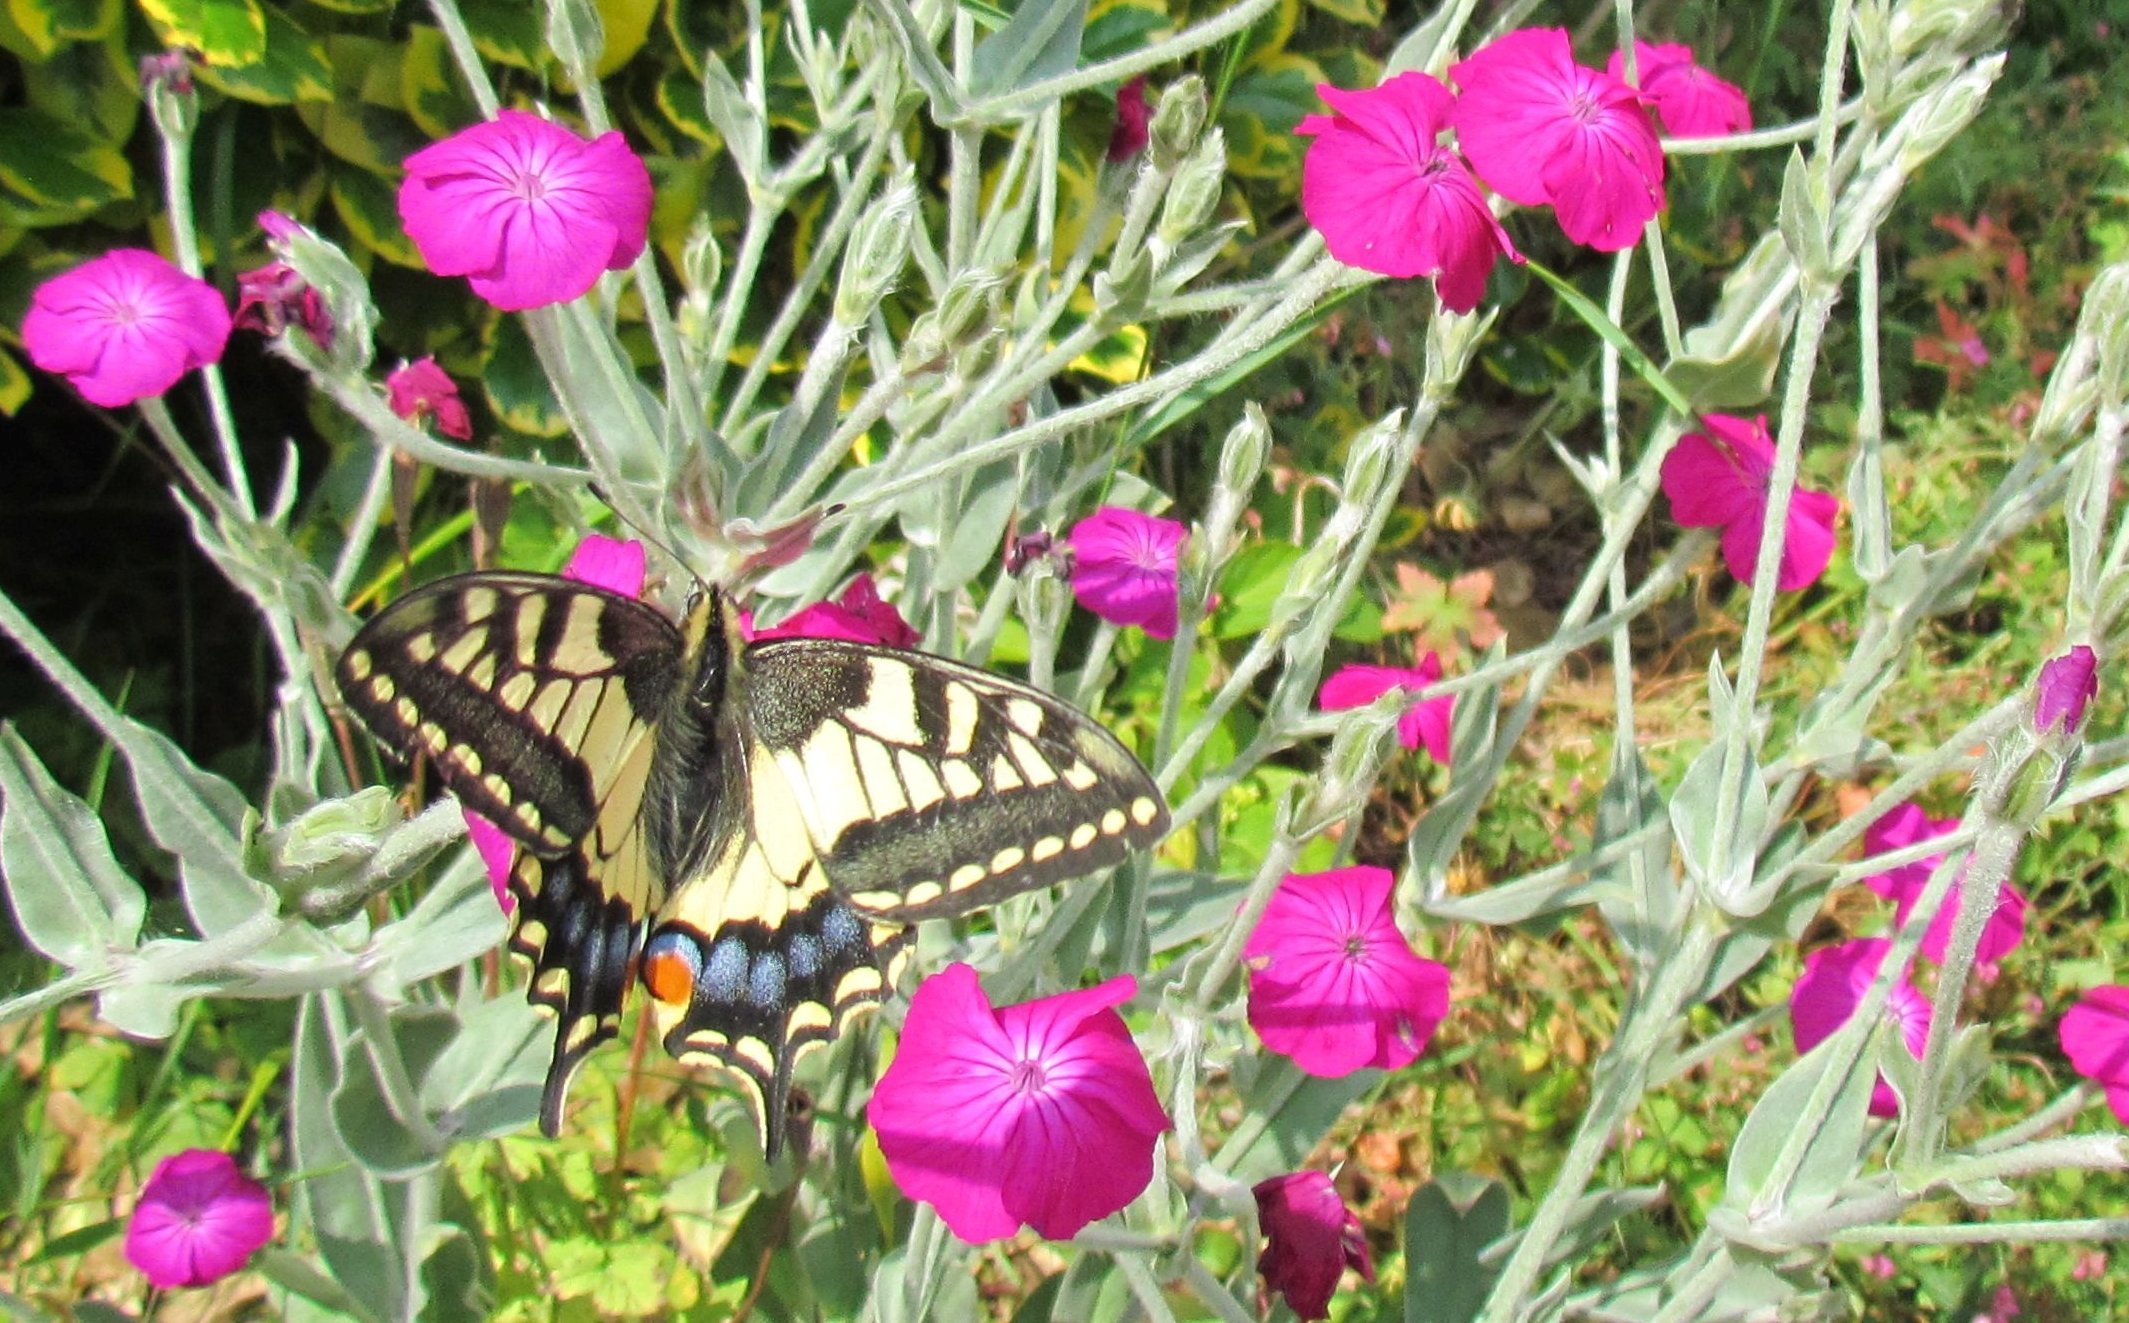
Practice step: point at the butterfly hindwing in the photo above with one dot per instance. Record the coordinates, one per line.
(930, 788)
(536, 700)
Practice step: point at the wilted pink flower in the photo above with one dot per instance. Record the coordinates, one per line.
(198, 1220)
(421, 390)
(1389, 197)
(858, 615)
(1128, 138)
(2002, 1308)
(1691, 102)
(1543, 130)
(1042, 1113)
(1124, 568)
(1310, 1237)
(1832, 986)
(1908, 825)
(2095, 1036)
(1719, 479)
(526, 209)
(603, 562)
(124, 326)
(1880, 1266)
(1332, 982)
(2090, 1266)
(272, 298)
(2066, 684)
(1422, 724)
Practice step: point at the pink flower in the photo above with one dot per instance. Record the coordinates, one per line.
(1390, 198)
(2095, 1036)
(273, 298)
(1124, 568)
(1042, 1113)
(859, 615)
(1719, 479)
(421, 390)
(1691, 102)
(1423, 723)
(1908, 825)
(1310, 1237)
(198, 1220)
(1128, 138)
(1880, 1266)
(1543, 130)
(124, 326)
(1830, 988)
(2066, 684)
(528, 210)
(1333, 983)
(602, 562)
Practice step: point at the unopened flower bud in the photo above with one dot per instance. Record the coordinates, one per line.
(1177, 121)
(701, 260)
(1367, 466)
(1195, 191)
(166, 83)
(1349, 771)
(1244, 452)
(879, 248)
(1124, 287)
(1306, 584)
(2067, 683)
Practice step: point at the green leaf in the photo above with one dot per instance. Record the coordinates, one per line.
(1124, 28)
(1041, 42)
(291, 68)
(1593, 316)
(370, 209)
(430, 88)
(1361, 13)
(1295, 1112)
(89, 84)
(58, 166)
(1831, 1157)
(517, 389)
(363, 124)
(45, 26)
(227, 33)
(1448, 1224)
(1260, 113)
(507, 31)
(1180, 408)
(14, 384)
(1639, 897)
(71, 899)
(680, 100)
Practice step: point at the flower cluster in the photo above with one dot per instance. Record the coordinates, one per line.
(1390, 196)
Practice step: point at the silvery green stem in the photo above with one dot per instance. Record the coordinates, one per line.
(1224, 23)
(1211, 1293)
(1212, 979)
(465, 55)
(380, 1039)
(1995, 1231)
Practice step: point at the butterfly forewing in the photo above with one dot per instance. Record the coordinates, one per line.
(929, 788)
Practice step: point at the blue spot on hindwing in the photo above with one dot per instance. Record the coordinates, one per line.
(726, 972)
(805, 956)
(765, 982)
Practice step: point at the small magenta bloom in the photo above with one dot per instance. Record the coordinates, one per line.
(1544, 131)
(1691, 102)
(1310, 1237)
(198, 1220)
(124, 326)
(2067, 684)
(602, 562)
(859, 615)
(1128, 138)
(273, 298)
(1424, 724)
(1042, 1113)
(1908, 825)
(421, 390)
(1832, 986)
(2095, 1036)
(1719, 479)
(1333, 983)
(1124, 568)
(1390, 198)
(526, 209)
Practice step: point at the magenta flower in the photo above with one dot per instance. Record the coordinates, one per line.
(198, 1220)
(2095, 1036)
(1042, 1113)
(602, 562)
(1544, 131)
(1128, 138)
(1691, 102)
(2066, 684)
(421, 390)
(273, 298)
(1310, 1237)
(859, 615)
(1908, 825)
(1333, 983)
(1124, 568)
(1389, 197)
(1832, 986)
(528, 210)
(124, 326)
(1423, 724)
(1719, 479)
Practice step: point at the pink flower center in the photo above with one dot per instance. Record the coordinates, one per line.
(1356, 948)
(530, 186)
(1583, 106)
(1027, 1077)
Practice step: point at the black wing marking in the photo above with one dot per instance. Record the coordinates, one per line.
(929, 788)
